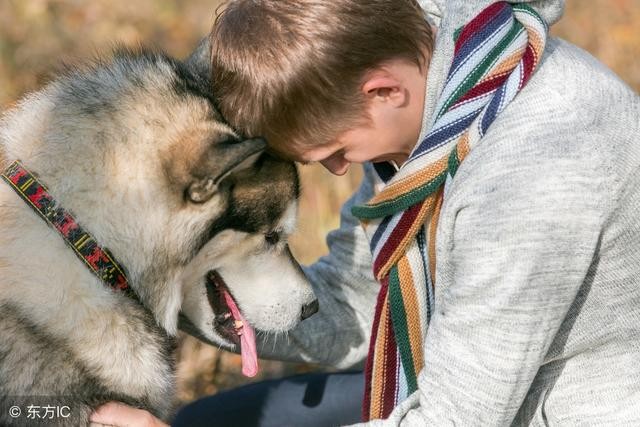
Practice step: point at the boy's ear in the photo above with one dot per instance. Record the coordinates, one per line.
(384, 86)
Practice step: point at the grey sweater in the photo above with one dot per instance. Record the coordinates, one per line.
(538, 258)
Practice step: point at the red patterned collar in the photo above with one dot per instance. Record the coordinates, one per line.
(98, 259)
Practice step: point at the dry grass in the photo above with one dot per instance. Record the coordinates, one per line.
(36, 36)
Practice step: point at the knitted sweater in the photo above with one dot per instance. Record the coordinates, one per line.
(538, 258)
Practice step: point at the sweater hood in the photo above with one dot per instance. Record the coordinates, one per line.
(449, 15)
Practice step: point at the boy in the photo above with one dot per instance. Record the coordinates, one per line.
(536, 273)
(500, 209)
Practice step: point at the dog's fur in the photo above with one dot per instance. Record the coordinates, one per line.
(136, 150)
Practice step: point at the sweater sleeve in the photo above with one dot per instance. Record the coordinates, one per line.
(517, 240)
(338, 335)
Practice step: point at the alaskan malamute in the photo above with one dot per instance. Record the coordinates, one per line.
(131, 162)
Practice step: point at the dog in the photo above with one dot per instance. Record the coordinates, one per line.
(194, 216)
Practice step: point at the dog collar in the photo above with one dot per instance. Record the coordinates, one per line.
(98, 259)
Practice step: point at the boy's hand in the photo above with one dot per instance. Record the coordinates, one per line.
(120, 415)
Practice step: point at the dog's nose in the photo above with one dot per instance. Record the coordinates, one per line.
(310, 309)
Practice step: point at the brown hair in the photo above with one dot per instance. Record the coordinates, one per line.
(291, 70)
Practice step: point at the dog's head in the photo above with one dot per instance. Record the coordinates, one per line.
(244, 254)
(137, 151)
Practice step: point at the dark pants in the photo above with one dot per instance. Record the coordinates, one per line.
(304, 400)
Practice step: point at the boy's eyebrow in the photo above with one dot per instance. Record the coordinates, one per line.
(298, 158)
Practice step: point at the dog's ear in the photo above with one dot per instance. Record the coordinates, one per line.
(199, 62)
(236, 155)
(229, 157)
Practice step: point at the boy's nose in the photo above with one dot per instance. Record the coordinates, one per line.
(337, 165)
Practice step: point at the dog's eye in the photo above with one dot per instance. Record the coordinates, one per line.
(201, 191)
(272, 237)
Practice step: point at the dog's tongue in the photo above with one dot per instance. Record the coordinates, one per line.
(247, 339)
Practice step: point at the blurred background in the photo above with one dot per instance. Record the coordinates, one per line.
(37, 36)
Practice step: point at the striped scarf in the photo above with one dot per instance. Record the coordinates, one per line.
(495, 55)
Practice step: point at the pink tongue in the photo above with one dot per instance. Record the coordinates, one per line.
(247, 339)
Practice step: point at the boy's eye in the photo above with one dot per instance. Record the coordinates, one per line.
(272, 237)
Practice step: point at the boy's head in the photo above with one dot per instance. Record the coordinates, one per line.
(303, 72)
